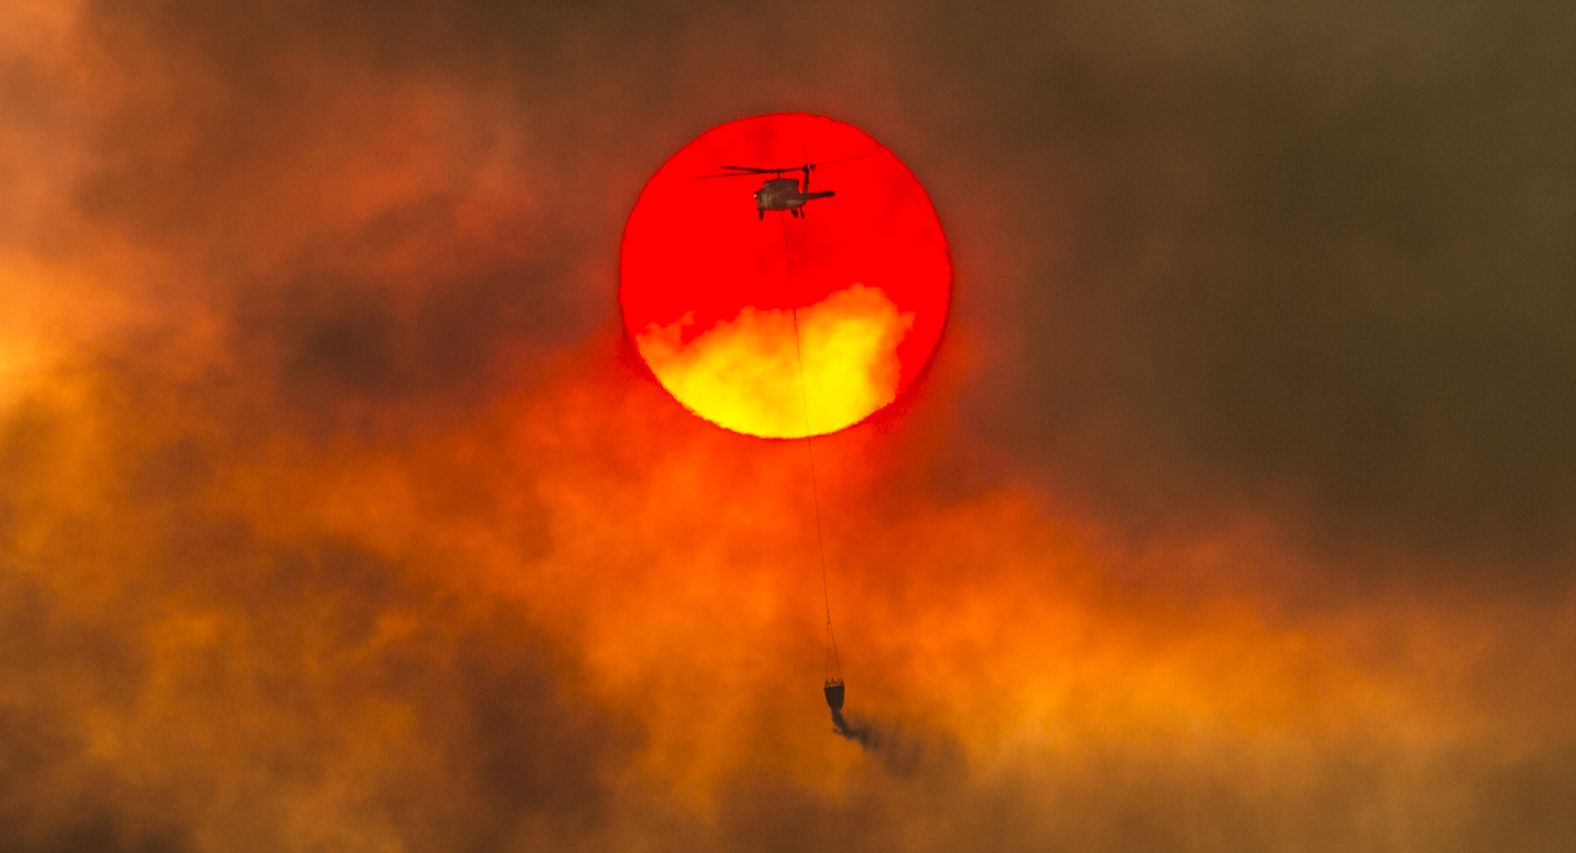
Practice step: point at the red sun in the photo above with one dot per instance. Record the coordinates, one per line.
(781, 326)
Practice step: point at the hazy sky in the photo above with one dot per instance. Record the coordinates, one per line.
(1236, 511)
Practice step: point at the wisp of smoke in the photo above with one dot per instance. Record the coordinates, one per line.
(888, 742)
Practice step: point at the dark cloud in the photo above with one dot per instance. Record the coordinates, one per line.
(332, 341)
(292, 669)
(1312, 259)
(46, 767)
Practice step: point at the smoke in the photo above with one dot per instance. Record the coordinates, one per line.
(886, 742)
(865, 737)
(903, 750)
(335, 513)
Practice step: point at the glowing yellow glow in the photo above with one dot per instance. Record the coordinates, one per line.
(743, 374)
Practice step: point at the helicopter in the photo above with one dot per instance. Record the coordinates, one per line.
(778, 192)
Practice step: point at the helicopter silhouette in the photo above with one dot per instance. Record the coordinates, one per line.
(778, 192)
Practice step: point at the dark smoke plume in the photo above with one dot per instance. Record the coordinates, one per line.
(898, 750)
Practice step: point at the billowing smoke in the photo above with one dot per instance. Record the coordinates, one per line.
(336, 512)
(898, 750)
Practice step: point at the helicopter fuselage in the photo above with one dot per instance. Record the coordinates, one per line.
(784, 194)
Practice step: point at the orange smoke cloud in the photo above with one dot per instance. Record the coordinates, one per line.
(744, 374)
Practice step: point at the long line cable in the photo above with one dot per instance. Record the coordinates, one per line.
(834, 663)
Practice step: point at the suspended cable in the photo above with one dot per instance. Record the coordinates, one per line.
(834, 664)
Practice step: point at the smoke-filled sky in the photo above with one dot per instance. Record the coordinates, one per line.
(1236, 511)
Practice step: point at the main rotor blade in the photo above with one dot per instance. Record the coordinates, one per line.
(841, 159)
(722, 175)
(741, 171)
